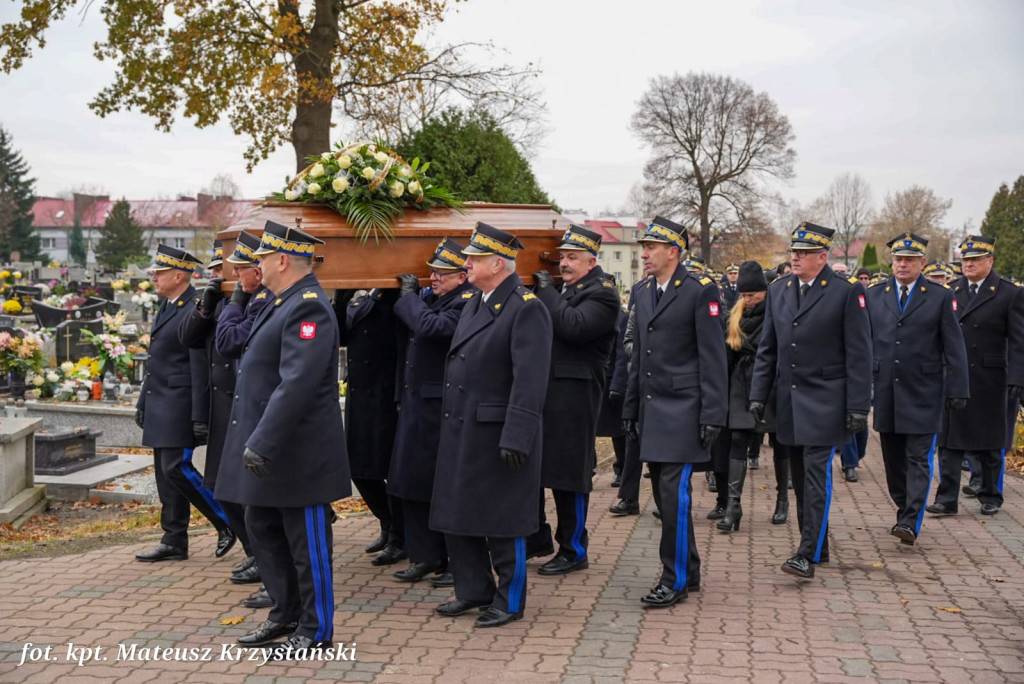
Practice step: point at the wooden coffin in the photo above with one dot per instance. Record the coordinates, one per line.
(349, 263)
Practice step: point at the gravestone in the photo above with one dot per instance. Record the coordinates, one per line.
(47, 274)
(77, 274)
(106, 291)
(8, 322)
(71, 344)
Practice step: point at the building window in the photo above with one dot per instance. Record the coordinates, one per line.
(636, 234)
(179, 243)
(635, 277)
(617, 255)
(634, 255)
(618, 277)
(48, 243)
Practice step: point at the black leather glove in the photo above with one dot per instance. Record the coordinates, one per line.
(408, 284)
(542, 279)
(513, 459)
(855, 422)
(1016, 391)
(708, 435)
(614, 395)
(631, 429)
(956, 403)
(211, 295)
(254, 463)
(201, 432)
(240, 296)
(757, 409)
(140, 418)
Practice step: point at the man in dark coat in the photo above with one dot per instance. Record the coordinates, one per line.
(584, 315)
(991, 313)
(173, 411)
(920, 364)
(677, 396)
(369, 333)
(609, 419)
(284, 456)
(729, 291)
(816, 352)
(429, 318)
(487, 484)
(632, 468)
(196, 331)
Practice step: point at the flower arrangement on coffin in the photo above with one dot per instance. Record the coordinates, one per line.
(21, 355)
(368, 184)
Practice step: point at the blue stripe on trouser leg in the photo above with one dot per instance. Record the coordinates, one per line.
(577, 533)
(327, 574)
(196, 480)
(927, 491)
(515, 591)
(682, 531)
(828, 504)
(1002, 471)
(320, 567)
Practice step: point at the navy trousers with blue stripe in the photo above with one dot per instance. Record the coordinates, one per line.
(679, 558)
(571, 531)
(294, 548)
(812, 483)
(991, 463)
(471, 560)
(908, 473)
(179, 484)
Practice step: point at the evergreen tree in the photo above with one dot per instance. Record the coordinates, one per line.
(869, 259)
(470, 155)
(1004, 221)
(77, 250)
(120, 242)
(17, 195)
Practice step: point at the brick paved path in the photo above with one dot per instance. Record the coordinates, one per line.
(873, 614)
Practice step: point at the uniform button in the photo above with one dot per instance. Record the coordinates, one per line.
(447, 384)
(451, 356)
(460, 419)
(897, 341)
(150, 392)
(896, 361)
(795, 324)
(215, 387)
(792, 365)
(405, 387)
(227, 365)
(794, 386)
(648, 352)
(648, 397)
(650, 328)
(793, 345)
(462, 356)
(648, 374)
(899, 325)
(245, 348)
(234, 422)
(445, 414)
(461, 388)
(236, 397)
(212, 365)
(896, 380)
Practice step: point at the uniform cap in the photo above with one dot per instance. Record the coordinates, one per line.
(448, 256)
(490, 240)
(218, 254)
(977, 246)
(667, 232)
(579, 238)
(278, 238)
(908, 244)
(811, 236)
(246, 245)
(172, 257)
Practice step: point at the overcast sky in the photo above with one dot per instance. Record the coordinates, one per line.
(902, 92)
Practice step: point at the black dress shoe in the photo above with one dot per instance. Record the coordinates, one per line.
(417, 571)
(250, 575)
(560, 565)
(663, 597)
(971, 490)
(493, 617)
(458, 607)
(799, 566)
(225, 540)
(299, 647)
(378, 544)
(261, 599)
(716, 513)
(539, 553)
(390, 555)
(850, 474)
(989, 509)
(244, 565)
(905, 533)
(162, 552)
(445, 579)
(267, 633)
(755, 463)
(940, 509)
(616, 480)
(647, 474)
(625, 507)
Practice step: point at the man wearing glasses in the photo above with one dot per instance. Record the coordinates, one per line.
(823, 388)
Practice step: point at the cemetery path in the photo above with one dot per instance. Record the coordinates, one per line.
(949, 609)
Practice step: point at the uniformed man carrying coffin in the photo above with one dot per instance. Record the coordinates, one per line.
(677, 395)
(173, 410)
(286, 447)
(487, 484)
(919, 364)
(584, 316)
(429, 318)
(816, 350)
(991, 313)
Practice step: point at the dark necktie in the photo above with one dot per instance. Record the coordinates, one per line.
(804, 287)
(160, 312)
(903, 296)
(974, 289)
(657, 295)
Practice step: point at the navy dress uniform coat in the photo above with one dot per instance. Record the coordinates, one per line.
(609, 420)
(286, 406)
(496, 378)
(817, 355)
(583, 319)
(993, 330)
(918, 356)
(235, 322)
(431, 322)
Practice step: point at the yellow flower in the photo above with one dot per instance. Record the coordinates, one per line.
(11, 306)
(340, 184)
(290, 195)
(67, 367)
(405, 172)
(17, 275)
(316, 171)
(381, 157)
(415, 188)
(314, 188)
(5, 273)
(144, 285)
(369, 172)
(397, 188)
(344, 161)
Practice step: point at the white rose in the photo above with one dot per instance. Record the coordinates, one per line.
(316, 171)
(52, 377)
(369, 172)
(38, 380)
(67, 366)
(314, 188)
(381, 157)
(344, 161)
(397, 188)
(405, 172)
(290, 195)
(340, 184)
(415, 188)
(327, 157)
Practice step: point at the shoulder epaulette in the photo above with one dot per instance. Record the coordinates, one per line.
(853, 280)
(527, 296)
(704, 280)
(945, 286)
(779, 281)
(1009, 280)
(261, 295)
(876, 284)
(608, 283)
(309, 295)
(467, 295)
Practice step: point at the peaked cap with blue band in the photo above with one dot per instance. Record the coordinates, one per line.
(668, 232)
(811, 236)
(448, 256)
(172, 257)
(908, 244)
(579, 238)
(695, 264)
(278, 238)
(218, 255)
(490, 240)
(246, 245)
(977, 246)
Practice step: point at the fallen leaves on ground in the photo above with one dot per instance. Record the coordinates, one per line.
(878, 565)
(904, 601)
(353, 504)
(950, 609)
(233, 620)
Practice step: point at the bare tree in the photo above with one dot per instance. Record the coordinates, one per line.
(914, 210)
(845, 206)
(222, 186)
(715, 144)
(643, 204)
